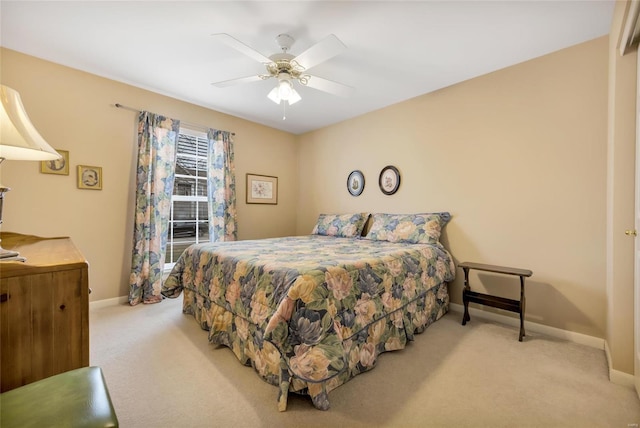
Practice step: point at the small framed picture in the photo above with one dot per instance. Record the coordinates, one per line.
(355, 183)
(262, 189)
(89, 177)
(58, 166)
(389, 180)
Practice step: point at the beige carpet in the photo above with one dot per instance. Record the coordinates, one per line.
(162, 372)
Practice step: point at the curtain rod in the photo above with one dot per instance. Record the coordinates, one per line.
(188, 124)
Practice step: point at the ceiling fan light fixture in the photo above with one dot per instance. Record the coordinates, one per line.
(284, 92)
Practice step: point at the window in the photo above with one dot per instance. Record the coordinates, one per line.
(189, 218)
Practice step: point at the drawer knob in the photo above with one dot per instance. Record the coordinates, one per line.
(4, 297)
(62, 307)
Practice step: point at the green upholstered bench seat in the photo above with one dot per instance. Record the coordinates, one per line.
(77, 398)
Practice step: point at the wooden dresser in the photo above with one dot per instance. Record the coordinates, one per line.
(44, 310)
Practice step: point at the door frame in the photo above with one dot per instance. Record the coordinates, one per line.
(636, 269)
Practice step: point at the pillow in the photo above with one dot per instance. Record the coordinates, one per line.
(341, 225)
(408, 228)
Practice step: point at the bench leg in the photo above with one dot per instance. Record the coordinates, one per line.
(465, 301)
(522, 304)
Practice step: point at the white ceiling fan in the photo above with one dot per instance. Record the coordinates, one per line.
(288, 69)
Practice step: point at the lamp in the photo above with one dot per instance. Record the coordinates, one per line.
(284, 90)
(19, 140)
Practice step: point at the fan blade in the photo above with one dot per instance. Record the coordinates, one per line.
(232, 82)
(241, 47)
(329, 86)
(326, 48)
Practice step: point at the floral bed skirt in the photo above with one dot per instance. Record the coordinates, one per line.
(361, 350)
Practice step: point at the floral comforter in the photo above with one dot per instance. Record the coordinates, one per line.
(310, 312)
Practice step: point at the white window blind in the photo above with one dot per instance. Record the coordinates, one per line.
(189, 218)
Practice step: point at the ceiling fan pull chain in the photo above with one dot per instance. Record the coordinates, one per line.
(284, 109)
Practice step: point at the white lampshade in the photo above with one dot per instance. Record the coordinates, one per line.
(294, 97)
(284, 89)
(19, 139)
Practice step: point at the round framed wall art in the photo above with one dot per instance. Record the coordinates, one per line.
(389, 180)
(355, 183)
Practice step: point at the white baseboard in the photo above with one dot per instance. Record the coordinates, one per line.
(616, 376)
(115, 301)
(571, 336)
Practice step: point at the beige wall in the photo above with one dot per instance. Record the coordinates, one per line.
(517, 156)
(620, 198)
(74, 111)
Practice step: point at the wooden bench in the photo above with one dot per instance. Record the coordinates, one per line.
(512, 305)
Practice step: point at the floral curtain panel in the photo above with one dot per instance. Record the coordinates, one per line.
(221, 187)
(157, 141)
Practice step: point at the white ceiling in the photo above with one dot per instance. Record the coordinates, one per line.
(396, 50)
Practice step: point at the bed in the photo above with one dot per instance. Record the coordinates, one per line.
(311, 312)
